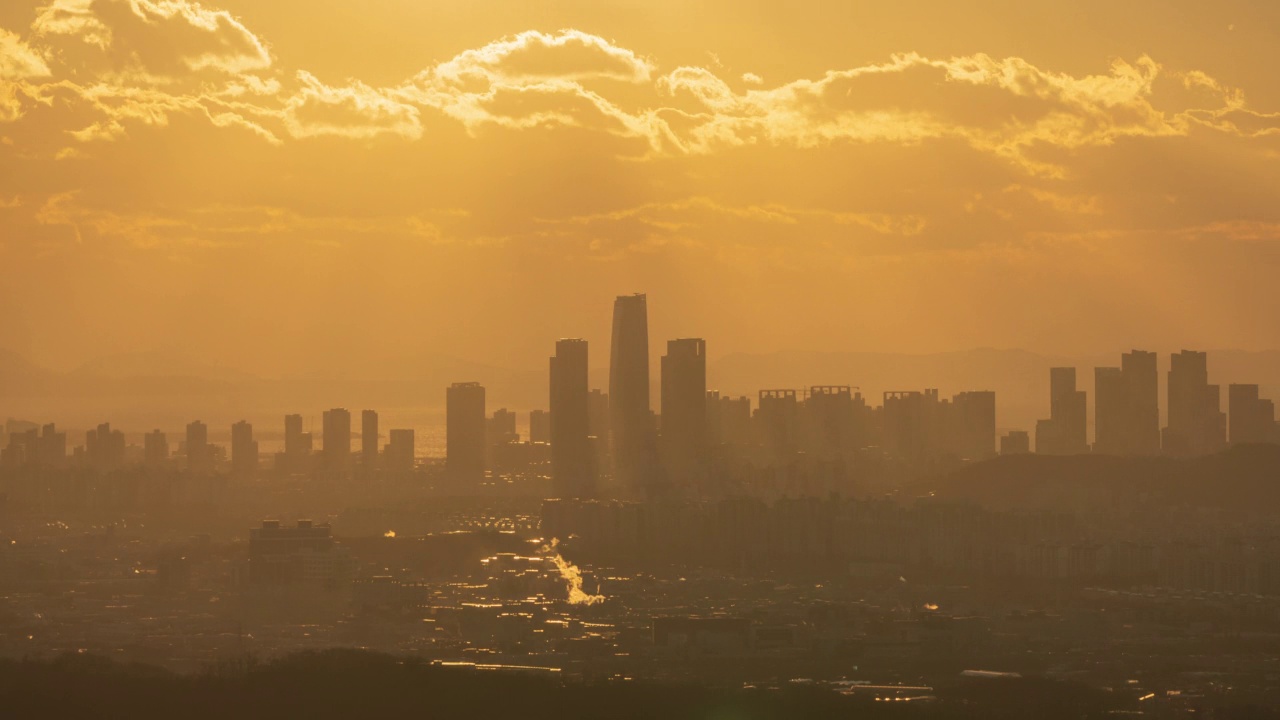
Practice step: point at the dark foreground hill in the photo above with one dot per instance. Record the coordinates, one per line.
(356, 684)
(1243, 479)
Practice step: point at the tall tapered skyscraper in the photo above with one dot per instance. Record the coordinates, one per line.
(572, 464)
(631, 421)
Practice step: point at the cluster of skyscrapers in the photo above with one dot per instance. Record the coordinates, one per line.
(615, 439)
(593, 434)
(1127, 411)
(617, 436)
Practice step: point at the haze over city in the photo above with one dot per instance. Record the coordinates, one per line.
(639, 358)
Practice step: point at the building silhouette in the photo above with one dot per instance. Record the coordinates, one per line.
(1015, 442)
(598, 431)
(970, 425)
(501, 428)
(35, 447)
(777, 421)
(573, 468)
(400, 451)
(1065, 432)
(244, 449)
(1127, 406)
(1142, 385)
(199, 454)
(598, 415)
(1108, 410)
(684, 407)
(728, 420)
(465, 436)
(53, 446)
(834, 421)
(369, 440)
(19, 451)
(336, 452)
(1253, 419)
(1197, 425)
(155, 449)
(631, 426)
(305, 555)
(912, 425)
(921, 429)
(539, 426)
(104, 448)
(297, 445)
(23, 449)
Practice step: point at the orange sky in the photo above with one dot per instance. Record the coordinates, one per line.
(312, 184)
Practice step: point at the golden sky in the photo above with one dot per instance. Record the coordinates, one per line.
(325, 183)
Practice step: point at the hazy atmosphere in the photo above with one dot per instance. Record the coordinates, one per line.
(330, 187)
(634, 359)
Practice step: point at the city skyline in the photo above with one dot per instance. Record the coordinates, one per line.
(648, 451)
(640, 359)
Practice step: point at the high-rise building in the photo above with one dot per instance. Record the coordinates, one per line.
(598, 413)
(501, 428)
(970, 428)
(199, 454)
(598, 430)
(244, 449)
(834, 421)
(155, 448)
(1142, 385)
(465, 433)
(53, 446)
(297, 445)
(23, 449)
(912, 425)
(400, 451)
(304, 555)
(369, 440)
(1253, 419)
(572, 462)
(1066, 430)
(337, 440)
(632, 431)
(684, 406)
(1108, 410)
(1127, 406)
(728, 420)
(104, 447)
(777, 421)
(293, 434)
(539, 426)
(1197, 425)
